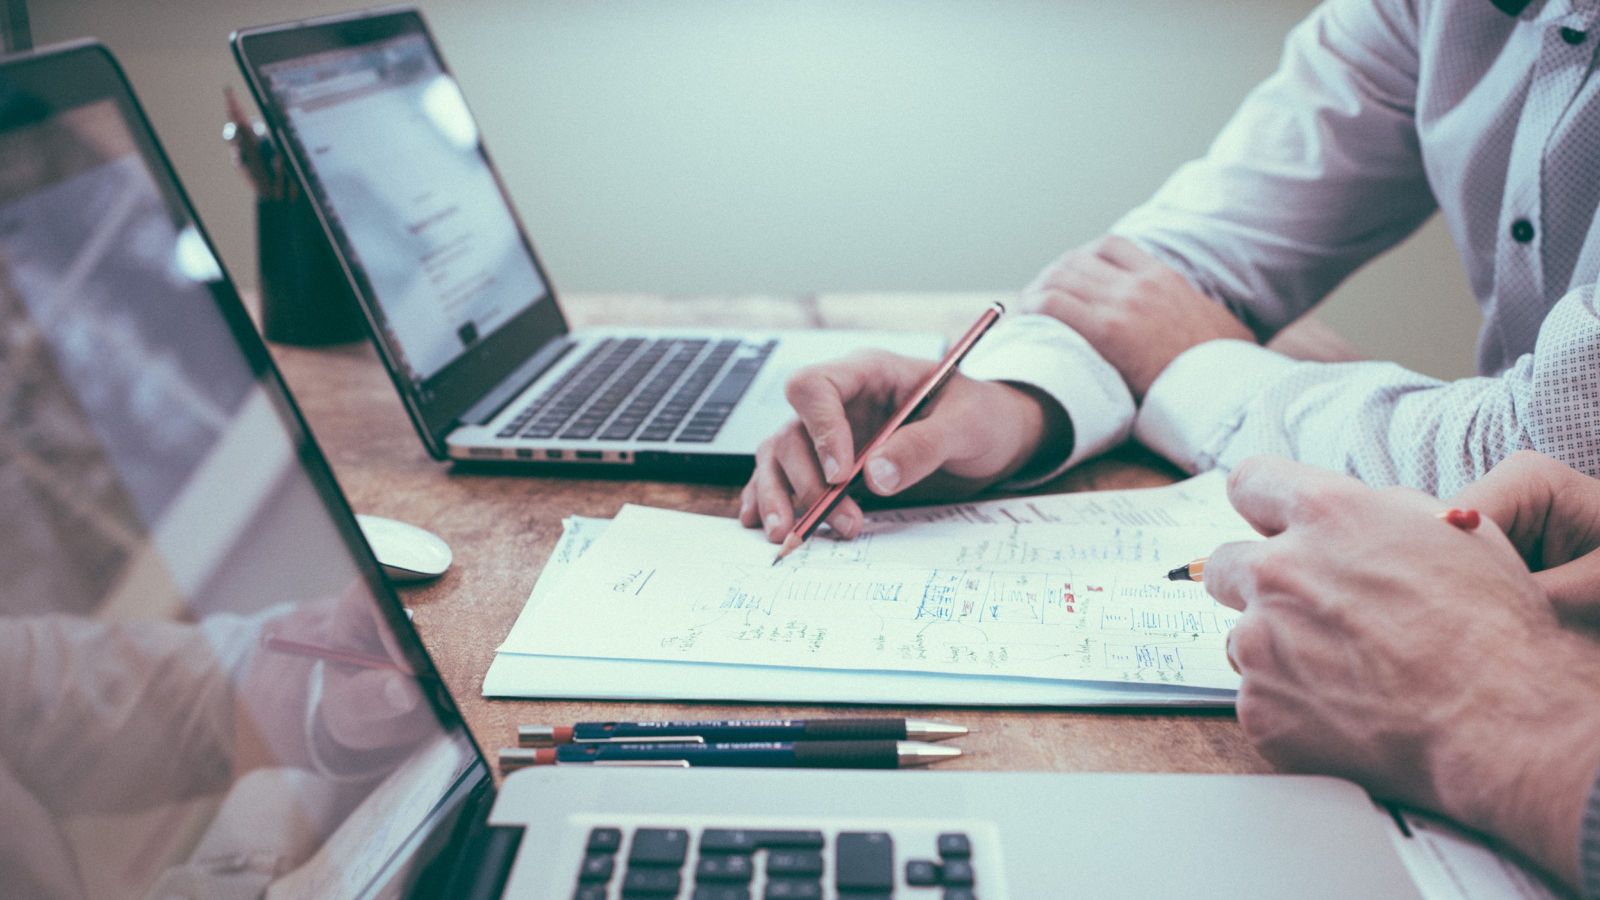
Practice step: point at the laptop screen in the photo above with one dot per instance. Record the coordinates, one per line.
(391, 155)
(427, 226)
(209, 691)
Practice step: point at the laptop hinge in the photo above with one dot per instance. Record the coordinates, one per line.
(482, 873)
(509, 387)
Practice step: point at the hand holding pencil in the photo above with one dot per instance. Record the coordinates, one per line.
(970, 435)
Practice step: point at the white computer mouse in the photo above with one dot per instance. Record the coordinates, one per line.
(406, 553)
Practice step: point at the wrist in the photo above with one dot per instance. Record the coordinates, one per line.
(1043, 428)
(1521, 766)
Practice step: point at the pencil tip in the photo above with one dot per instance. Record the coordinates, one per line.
(789, 543)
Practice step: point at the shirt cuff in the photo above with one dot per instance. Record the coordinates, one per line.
(1198, 401)
(1047, 355)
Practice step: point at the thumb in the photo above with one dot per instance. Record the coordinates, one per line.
(909, 455)
(1574, 588)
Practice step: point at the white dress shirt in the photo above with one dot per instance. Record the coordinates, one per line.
(1381, 112)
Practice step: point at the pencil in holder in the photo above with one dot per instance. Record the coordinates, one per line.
(305, 297)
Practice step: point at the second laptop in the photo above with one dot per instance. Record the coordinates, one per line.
(458, 302)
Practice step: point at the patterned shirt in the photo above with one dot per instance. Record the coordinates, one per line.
(1381, 113)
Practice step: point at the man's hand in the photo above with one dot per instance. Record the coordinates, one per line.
(1552, 514)
(1382, 645)
(1136, 311)
(972, 434)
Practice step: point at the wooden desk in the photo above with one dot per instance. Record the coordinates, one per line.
(502, 528)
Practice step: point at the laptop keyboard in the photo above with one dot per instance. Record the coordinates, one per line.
(678, 390)
(768, 864)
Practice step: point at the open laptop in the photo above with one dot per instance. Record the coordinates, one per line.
(459, 304)
(212, 692)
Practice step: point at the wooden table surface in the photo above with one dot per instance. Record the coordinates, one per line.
(503, 527)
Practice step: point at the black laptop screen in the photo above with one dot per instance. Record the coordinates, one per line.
(208, 691)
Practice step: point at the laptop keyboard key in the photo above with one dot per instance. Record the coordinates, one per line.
(597, 867)
(651, 883)
(604, 840)
(721, 892)
(658, 847)
(794, 862)
(733, 867)
(922, 872)
(746, 840)
(792, 889)
(591, 892)
(865, 861)
(960, 893)
(954, 845)
(958, 873)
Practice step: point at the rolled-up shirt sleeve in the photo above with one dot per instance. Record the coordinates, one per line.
(1318, 171)
(1223, 401)
(1049, 356)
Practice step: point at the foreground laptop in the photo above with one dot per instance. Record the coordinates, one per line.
(458, 303)
(211, 692)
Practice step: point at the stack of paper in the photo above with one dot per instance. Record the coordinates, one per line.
(1056, 600)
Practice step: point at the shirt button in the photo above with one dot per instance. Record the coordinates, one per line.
(1573, 36)
(1522, 231)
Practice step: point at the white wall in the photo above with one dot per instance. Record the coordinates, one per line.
(713, 146)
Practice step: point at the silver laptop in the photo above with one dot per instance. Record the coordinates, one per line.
(458, 302)
(210, 691)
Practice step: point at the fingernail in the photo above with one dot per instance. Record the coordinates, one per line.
(885, 475)
(744, 507)
(830, 469)
(772, 523)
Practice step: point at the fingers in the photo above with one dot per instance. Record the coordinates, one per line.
(1548, 510)
(372, 709)
(1233, 573)
(1122, 253)
(1574, 588)
(787, 480)
(1516, 494)
(1272, 492)
(909, 455)
(772, 495)
(1263, 490)
(819, 394)
(1083, 274)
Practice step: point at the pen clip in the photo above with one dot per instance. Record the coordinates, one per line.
(655, 763)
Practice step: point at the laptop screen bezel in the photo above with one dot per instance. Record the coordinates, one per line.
(436, 407)
(69, 75)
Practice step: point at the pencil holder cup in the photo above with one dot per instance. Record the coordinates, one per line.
(305, 298)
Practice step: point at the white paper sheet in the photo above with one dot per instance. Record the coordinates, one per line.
(1027, 601)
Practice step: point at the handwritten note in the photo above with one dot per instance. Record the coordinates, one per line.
(1061, 601)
